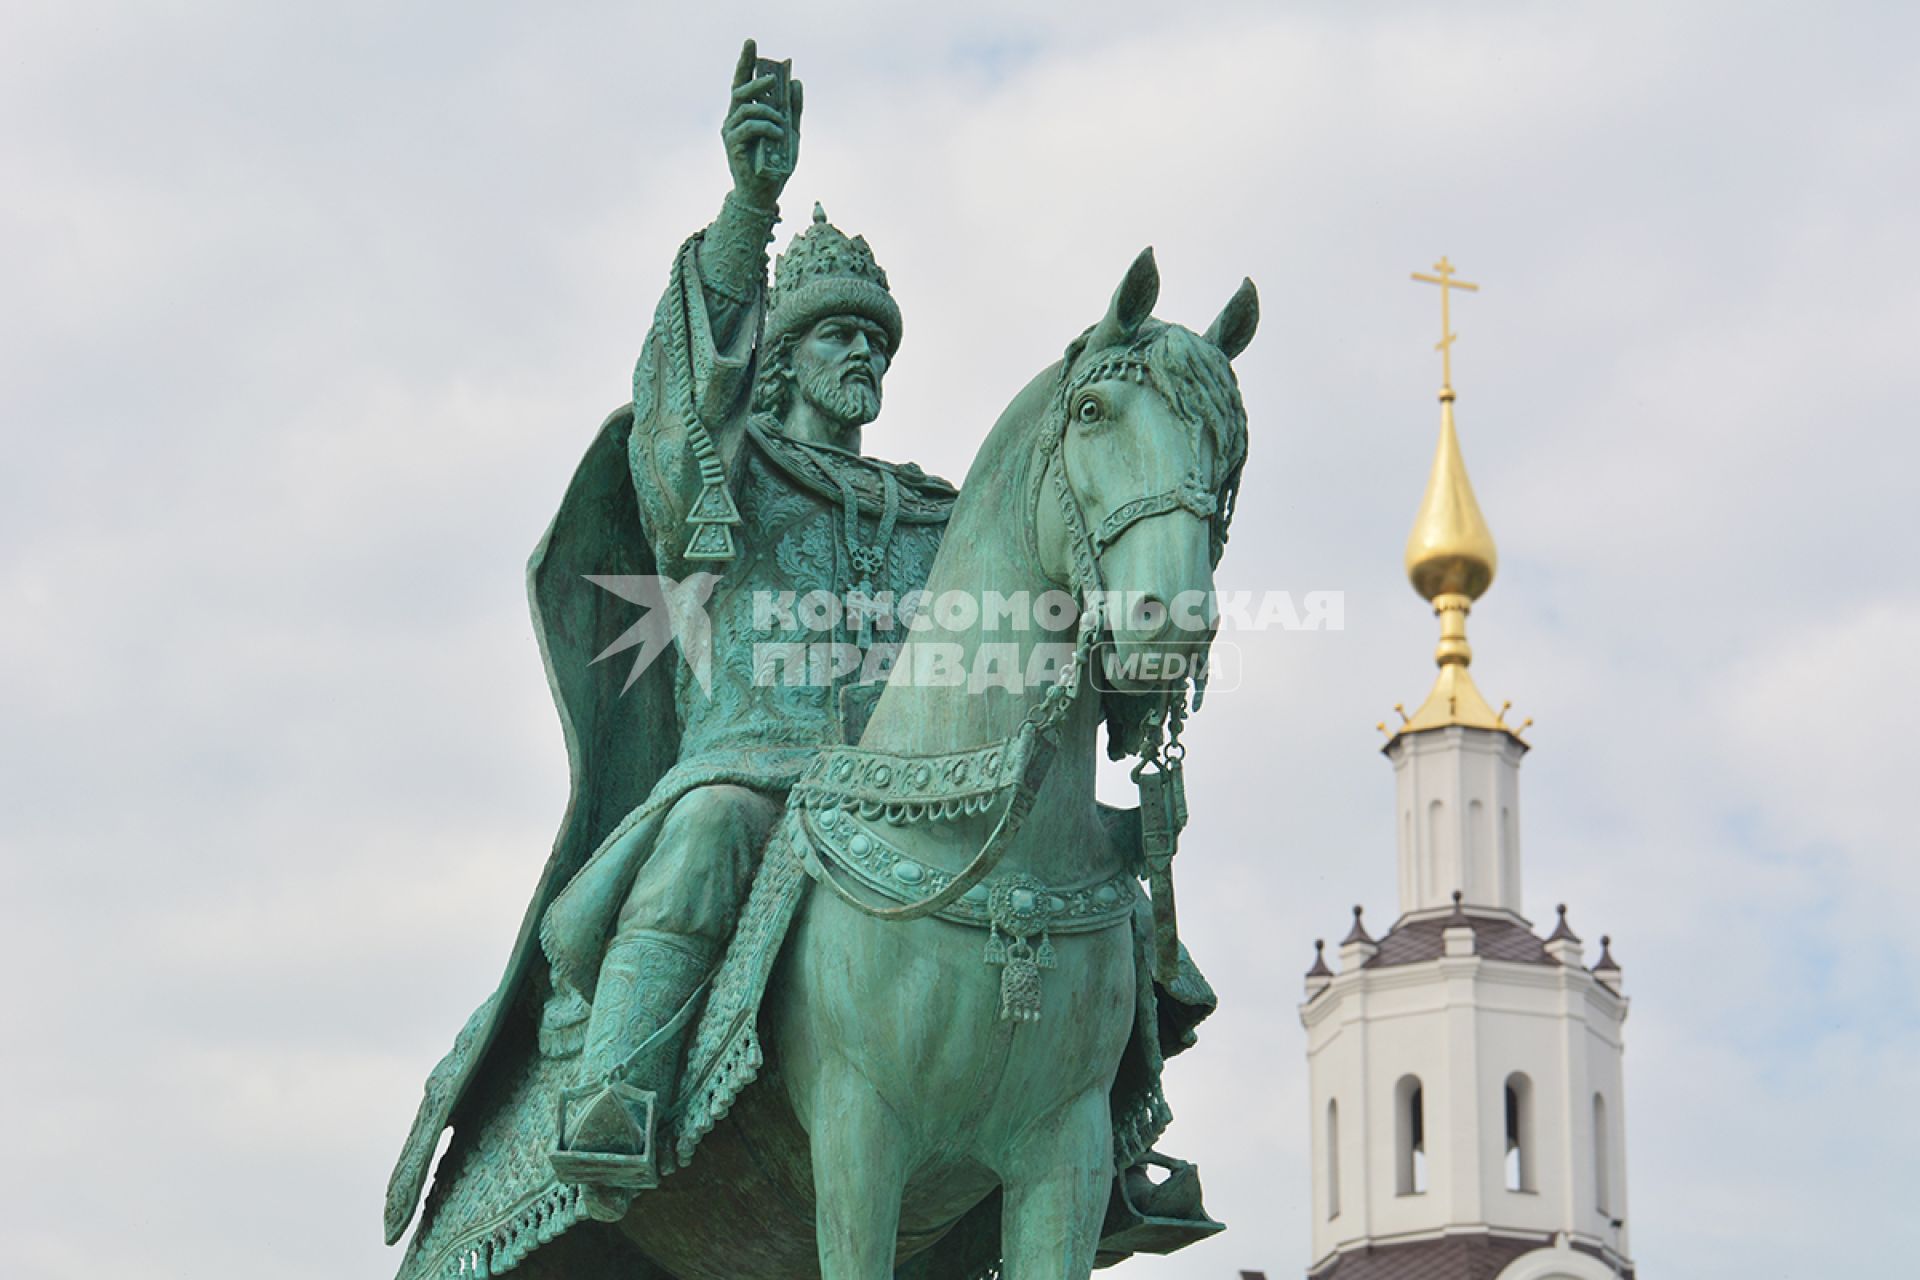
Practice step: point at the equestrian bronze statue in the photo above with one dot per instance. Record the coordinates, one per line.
(838, 968)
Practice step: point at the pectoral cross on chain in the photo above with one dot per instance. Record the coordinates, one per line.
(862, 611)
(867, 559)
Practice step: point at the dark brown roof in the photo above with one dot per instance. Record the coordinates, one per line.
(1461, 1258)
(1496, 938)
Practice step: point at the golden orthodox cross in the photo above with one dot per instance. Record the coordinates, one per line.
(1447, 284)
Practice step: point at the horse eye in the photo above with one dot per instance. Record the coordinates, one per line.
(1089, 410)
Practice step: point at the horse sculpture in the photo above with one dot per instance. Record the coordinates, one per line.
(947, 952)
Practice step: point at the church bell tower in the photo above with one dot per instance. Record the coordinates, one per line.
(1464, 1072)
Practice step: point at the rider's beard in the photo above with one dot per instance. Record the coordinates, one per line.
(848, 400)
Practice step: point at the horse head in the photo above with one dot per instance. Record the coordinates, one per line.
(1147, 438)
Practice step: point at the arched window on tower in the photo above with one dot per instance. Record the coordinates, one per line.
(1438, 880)
(1509, 859)
(1411, 890)
(1520, 1157)
(1410, 1138)
(1333, 1159)
(1602, 1165)
(1477, 849)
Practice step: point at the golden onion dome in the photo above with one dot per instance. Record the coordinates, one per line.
(1450, 551)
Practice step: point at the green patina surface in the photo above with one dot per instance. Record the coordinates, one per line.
(847, 976)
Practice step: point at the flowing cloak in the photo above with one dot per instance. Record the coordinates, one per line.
(618, 749)
(622, 739)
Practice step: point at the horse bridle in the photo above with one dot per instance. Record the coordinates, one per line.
(1192, 494)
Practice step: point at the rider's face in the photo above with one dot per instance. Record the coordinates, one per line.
(857, 346)
(839, 366)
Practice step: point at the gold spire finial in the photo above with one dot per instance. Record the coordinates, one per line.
(1450, 553)
(1444, 278)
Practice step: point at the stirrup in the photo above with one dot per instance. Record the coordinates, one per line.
(607, 1144)
(1148, 1217)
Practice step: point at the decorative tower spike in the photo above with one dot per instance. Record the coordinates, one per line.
(1319, 969)
(1359, 931)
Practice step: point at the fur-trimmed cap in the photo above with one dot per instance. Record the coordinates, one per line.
(823, 273)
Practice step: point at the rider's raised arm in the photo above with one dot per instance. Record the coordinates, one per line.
(693, 383)
(762, 138)
(730, 257)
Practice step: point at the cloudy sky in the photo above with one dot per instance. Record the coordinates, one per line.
(310, 309)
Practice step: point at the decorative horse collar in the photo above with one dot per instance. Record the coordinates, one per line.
(1019, 912)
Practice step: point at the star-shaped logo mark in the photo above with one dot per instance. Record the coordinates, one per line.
(674, 610)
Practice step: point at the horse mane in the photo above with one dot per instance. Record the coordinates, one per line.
(1200, 382)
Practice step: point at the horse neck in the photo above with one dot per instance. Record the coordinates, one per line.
(984, 554)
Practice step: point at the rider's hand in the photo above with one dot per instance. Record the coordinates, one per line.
(752, 117)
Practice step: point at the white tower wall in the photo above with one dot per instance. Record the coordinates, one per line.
(1463, 1026)
(1457, 800)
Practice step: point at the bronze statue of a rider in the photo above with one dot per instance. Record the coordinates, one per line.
(732, 498)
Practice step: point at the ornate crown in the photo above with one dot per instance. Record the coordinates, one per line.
(825, 273)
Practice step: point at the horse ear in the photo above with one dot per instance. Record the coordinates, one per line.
(1132, 303)
(1233, 328)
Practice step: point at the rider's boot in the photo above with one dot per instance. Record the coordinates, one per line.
(611, 1121)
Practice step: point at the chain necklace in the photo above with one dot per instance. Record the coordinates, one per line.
(865, 559)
